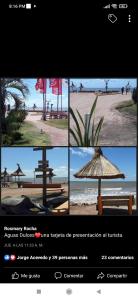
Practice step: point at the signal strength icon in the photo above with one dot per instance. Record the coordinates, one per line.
(107, 6)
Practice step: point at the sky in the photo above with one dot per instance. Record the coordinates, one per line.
(28, 160)
(37, 98)
(123, 157)
(100, 83)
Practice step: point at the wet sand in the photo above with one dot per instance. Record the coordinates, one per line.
(118, 129)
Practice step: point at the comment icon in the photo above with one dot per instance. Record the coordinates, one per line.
(58, 275)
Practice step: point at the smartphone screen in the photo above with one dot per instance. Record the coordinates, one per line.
(68, 151)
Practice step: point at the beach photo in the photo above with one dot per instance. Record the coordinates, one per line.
(34, 111)
(103, 112)
(34, 181)
(103, 181)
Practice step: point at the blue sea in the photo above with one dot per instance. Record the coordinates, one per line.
(39, 180)
(87, 191)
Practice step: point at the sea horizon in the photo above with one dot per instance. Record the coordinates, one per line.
(87, 191)
(103, 89)
(40, 180)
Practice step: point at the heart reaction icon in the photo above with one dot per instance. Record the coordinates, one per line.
(37, 235)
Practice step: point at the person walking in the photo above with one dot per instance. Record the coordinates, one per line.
(81, 87)
(122, 90)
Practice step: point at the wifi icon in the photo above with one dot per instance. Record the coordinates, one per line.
(107, 6)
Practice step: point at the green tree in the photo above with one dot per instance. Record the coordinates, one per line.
(12, 89)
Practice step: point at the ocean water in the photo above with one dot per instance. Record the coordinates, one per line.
(54, 108)
(88, 90)
(86, 192)
(40, 180)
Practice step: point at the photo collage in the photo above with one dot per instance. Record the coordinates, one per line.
(68, 146)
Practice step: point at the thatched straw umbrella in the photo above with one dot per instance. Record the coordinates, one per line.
(99, 168)
(5, 173)
(18, 173)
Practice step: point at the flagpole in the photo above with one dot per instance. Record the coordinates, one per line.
(44, 175)
(43, 108)
(44, 92)
(61, 95)
(61, 102)
(57, 102)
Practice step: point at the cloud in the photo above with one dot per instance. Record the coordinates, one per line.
(83, 151)
(74, 152)
(87, 150)
(72, 170)
(61, 171)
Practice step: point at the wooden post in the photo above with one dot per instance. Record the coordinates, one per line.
(99, 187)
(34, 176)
(130, 205)
(100, 206)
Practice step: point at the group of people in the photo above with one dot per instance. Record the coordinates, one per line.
(77, 89)
(125, 89)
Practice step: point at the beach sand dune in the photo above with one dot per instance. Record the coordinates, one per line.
(117, 129)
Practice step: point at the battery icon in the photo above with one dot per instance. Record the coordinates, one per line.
(123, 5)
(28, 6)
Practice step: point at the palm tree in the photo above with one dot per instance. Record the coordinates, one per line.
(8, 90)
(6, 84)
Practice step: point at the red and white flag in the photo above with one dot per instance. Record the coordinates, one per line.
(40, 85)
(56, 85)
(53, 82)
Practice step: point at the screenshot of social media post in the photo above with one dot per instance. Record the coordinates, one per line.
(68, 202)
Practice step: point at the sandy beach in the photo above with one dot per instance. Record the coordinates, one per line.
(117, 129)
(34, 194)
(16, 192)
(91, 210)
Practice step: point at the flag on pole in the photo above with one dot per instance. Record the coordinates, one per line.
(40, 85)
(56, 85)
(53, 82)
